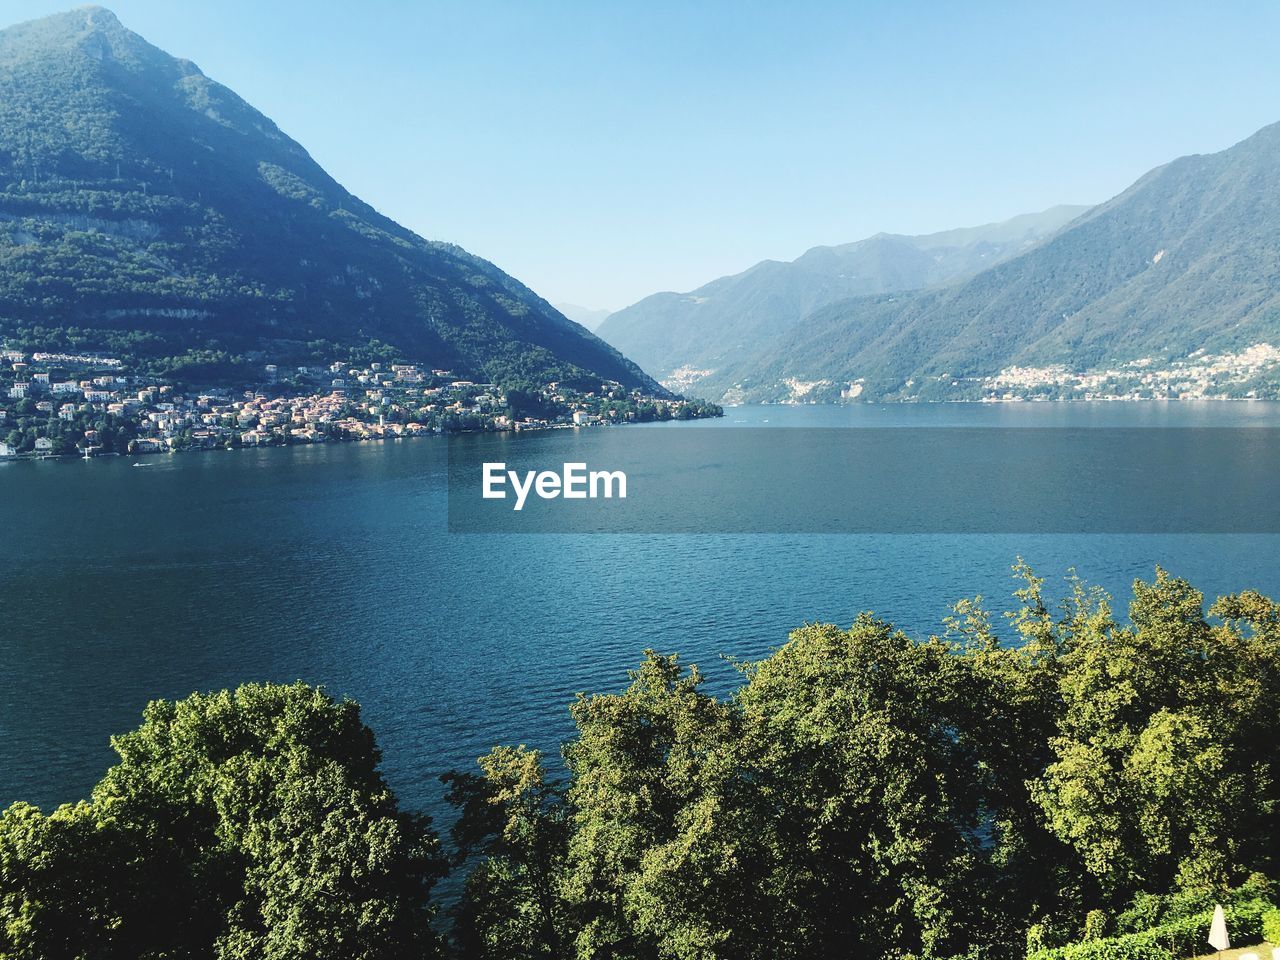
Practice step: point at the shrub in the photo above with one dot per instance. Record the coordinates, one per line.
(1095, 925)
(1153, 910)
(1037, 938)
(1271, 926)
(1185, 937)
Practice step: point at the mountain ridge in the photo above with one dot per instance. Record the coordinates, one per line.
(730, 316)
(1186, 259)
(149, 210)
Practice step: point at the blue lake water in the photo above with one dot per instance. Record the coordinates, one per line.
(334, 564)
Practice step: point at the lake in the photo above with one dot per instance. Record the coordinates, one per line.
(334, 564)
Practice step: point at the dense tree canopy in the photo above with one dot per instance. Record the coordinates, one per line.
(865, 794)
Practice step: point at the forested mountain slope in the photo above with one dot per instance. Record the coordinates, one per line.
(1187, 259)
(149, 211)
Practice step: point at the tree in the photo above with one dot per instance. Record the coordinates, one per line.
(861, 793)
(1007, 711)
(240, 824)
(867, 794)
(1164, 758)
(513, 827)
(80, 883)
(863, 796)
(649, 873)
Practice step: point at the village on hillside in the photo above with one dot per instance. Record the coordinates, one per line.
(1250, 373)
(1247, 374)
(63, 404)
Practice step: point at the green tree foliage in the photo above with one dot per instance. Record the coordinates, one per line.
(1176, 938)
(512, 825)
(526, 401)
(1271, 925)
(1168, 744)
(866, 801)
(651, 868)
(866, 794)
(251, 824)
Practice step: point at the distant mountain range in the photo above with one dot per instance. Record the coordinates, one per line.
(683, 336)
(148, 211)
(589, 318)
(1182, 265)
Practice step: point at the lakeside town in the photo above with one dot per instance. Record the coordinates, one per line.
(1248, 374)
(58, 404)
(65, 404)
(1251, 373)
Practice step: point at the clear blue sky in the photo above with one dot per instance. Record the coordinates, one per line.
(602, 151)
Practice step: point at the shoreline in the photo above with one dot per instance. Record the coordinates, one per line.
(336, 441)
(1001, 400)
(146, 455)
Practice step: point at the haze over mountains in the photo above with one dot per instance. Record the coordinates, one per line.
(589, 318)
(673, 335)
(149, 211)
(1185, 260)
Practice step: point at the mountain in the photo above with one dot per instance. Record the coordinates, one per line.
(149, 211)
(672, 335)
(584, 315)
(1185, 260)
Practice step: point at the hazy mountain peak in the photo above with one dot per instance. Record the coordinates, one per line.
(587, 316)
(69, 30)
(1027, 227)
(98, 17)
(707, 328)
